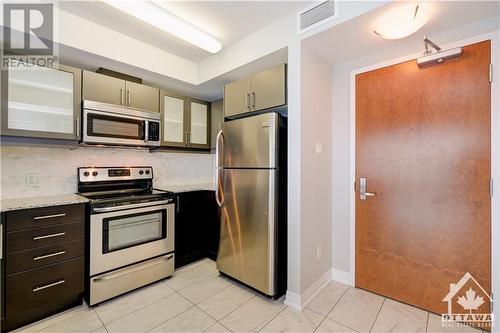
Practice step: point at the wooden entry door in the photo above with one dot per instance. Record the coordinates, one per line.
(423, 145)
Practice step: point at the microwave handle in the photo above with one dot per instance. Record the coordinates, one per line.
(146, 131)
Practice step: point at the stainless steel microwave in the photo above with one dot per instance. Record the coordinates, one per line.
(114, 125)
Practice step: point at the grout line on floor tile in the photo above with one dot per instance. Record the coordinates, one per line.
(142, 307)
(373, 324)
(333, 307)
(192, 306)
(427, 322)
(100, 320)
(267, 322)
(251, 298)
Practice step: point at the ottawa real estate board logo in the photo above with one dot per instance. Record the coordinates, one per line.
(468, 304)
(28, 34)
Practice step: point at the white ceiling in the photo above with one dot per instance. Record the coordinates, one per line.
(355, 38)
(230, 21)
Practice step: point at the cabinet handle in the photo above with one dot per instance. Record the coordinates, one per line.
(178, 205)
(253, 100)
(36, 218)
(49, 236)
(48, 285)
(121, 96)
(49, 255)
(77, 120)
(129, 98)
(248, 100)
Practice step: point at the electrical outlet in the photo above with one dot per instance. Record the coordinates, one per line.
(318, 252)
(318, 148)
(32, 180)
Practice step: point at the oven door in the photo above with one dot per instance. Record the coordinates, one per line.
(110, 128)
(124, 237)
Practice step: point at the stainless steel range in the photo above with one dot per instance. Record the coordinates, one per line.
(130, 230)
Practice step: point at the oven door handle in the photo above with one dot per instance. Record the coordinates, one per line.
(133, 269)
(145, 136)
(137, 205)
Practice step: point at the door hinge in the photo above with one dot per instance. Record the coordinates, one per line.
(354, 186)
(491, 72)
(491, 187)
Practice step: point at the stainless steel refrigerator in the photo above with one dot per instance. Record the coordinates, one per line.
(251, 193)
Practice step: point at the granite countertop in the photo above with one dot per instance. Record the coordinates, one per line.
(38, 202)
(188, 187)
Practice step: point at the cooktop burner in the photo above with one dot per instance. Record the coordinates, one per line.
(118, 186)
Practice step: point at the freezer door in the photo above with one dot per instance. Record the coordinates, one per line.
(250, 142)
(247, 240)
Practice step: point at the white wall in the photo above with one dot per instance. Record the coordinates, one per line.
(316, 184)
(342, 189)
(56, 168)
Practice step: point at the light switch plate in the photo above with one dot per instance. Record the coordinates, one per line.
(318, 148)
(31, 179)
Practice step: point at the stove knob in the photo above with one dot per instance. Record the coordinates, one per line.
(141, 172)
(94, 173)
(147, 172)
(86, 173)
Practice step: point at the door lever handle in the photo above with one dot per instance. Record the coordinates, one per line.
(362, 190)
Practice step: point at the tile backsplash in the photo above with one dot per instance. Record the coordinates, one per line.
(34, 171)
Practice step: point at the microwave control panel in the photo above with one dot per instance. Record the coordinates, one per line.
(154, 131)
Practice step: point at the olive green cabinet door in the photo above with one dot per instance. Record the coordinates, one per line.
(199, 124)
(269, 88)
(103, 88)
(142, 97)
(237, 97)
(173, 117)
(41, 103)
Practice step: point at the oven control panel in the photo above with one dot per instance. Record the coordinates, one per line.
(97, 174)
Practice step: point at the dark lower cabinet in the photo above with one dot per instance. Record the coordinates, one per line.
(196, 227)
(43, 263)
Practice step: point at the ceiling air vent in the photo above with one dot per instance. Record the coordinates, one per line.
(311, 17)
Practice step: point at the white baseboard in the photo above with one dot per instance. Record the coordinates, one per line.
(299, 302)
(293, 300)
(343, 277)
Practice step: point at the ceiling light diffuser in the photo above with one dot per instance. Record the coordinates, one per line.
(156, 15)
(401, 21)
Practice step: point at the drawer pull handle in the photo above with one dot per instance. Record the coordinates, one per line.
(132, 270)
(36, 218)
(48, 285)
(49, 236)
(49, 255)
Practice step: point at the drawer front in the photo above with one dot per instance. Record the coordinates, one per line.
(34, 238)
(41, 286)
(29, 259)
(41, 217)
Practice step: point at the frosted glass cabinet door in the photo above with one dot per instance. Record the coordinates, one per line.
(42, 102)
(174, 131)
(198, 136)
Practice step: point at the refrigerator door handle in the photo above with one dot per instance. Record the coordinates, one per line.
(218, 169)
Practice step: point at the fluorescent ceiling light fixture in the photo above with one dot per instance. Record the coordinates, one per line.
(401, 21)
(154, 14)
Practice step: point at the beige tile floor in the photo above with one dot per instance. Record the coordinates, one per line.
(197, 299)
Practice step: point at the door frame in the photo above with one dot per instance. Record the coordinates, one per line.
(495, 153)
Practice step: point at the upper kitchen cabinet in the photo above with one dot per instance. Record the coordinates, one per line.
(260, 91)
(237, 97)
(172, 117)
(107, 89)
(186, 121)
(42, 102)
(199, 124)
(142, 97)
(103, 88)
